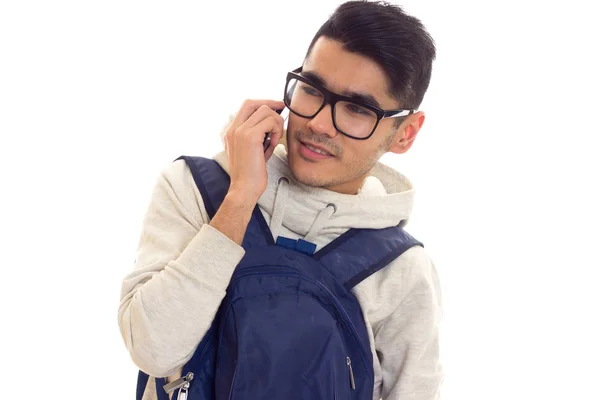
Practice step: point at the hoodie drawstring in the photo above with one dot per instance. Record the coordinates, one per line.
(281, 197)
(320, 221)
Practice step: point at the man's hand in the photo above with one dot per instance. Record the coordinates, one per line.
(247, 164)
(244, 144)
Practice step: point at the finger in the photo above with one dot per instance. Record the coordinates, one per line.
(249, 107)
(276, 137)
(272, 145)
(269, 124)
(260, 114)
(269, 153)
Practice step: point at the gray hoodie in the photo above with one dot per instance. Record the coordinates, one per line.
(183, 267)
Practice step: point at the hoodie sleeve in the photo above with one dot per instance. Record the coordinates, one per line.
(182, 269)
(407, 341)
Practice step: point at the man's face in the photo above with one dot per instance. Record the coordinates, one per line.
(350, 160)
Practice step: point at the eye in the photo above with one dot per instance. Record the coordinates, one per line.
(357, 109)
(311, 91)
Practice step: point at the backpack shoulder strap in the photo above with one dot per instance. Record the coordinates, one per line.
(213, 183)
(359, 253)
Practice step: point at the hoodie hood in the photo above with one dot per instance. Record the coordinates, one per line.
(384, 200)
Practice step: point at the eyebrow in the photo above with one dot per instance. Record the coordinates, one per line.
(357, 96)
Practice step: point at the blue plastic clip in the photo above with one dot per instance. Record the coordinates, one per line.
(299, 245)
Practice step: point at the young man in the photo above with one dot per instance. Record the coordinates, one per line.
(325, 180)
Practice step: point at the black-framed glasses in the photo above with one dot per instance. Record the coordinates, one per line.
(352, 118)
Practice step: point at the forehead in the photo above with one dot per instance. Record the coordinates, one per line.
(344, 72)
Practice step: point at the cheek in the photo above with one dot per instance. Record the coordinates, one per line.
(295, 122)
(359, 152)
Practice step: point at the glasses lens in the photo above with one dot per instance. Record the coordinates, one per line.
(350, 118)
(302, 98)
(354, 120)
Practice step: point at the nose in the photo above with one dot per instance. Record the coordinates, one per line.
(322, 123)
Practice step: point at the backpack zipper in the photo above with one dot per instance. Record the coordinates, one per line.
(183, 393)
(185, 382)
(182, 383)
(349, 362)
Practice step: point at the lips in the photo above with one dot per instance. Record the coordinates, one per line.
(317, 149)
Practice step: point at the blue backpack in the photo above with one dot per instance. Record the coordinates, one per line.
(289, 326)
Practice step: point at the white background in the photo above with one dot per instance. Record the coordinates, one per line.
(97, 97)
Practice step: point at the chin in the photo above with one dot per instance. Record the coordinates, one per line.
(304, 172)
(310, 172)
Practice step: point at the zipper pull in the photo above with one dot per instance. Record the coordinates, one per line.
(352, 385)
(183, 392)
(183, 382)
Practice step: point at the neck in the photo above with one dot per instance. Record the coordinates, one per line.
(351, 187)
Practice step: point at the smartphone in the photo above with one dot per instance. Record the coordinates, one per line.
(284, 112)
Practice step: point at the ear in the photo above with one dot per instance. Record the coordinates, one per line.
(407, 133)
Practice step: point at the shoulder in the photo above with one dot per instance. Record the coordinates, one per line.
(175, 186)
(177, 172)
(411, 274)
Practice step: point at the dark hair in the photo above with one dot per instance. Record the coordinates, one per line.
(397, 42)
